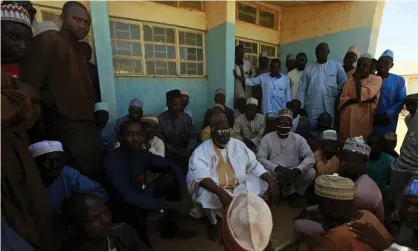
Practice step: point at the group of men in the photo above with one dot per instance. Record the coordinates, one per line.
(66, 171)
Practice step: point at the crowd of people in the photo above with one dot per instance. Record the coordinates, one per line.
(321, 137)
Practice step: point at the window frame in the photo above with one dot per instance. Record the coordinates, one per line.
(258, 8)
(177, 46)
(202, 5)
(259, 44)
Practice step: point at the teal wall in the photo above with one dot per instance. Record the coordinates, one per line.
(220, 48)
(338, 42)
(152, 92)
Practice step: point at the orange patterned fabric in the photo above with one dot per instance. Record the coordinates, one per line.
(226, 173)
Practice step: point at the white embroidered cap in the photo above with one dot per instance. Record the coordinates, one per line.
(329, 135)
(252, 101)
(358, 145)
(16, 13)
(101, 106)
(40, 28)
(44, 147)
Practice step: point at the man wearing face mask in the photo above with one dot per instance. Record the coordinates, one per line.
(221, 168)
(289, 157)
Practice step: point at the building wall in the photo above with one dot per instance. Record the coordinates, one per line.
(340, 24)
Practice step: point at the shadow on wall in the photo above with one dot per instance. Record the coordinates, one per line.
(152, 92)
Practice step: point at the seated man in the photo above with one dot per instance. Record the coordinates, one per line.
(289, 157)
(135, 112)
(250, 210)
(326, 158)
(205, 134)
(90, 227)
(301, 124)
(107, 131)
(153, 143)
(411, 103)
(241, 106)
(391, 140)
(180, 136)
(353, 160)
(222, 168)
(324, 123)
(133, 197)
(379, 165)
(249, 127)
(336, 197)
(61, 182)
(220, 99)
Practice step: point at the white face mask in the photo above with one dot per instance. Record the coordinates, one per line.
(287, 128)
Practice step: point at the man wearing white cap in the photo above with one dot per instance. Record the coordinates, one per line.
(61, 182)
(336, 202)
(350, 60)
(289, 157)
(108, 136)
(358, 101)
(219, 99)
(135, 112)
(153, 143)
(295, 74)
(249, 127)
(290, 62)
(247, 224)
(242, 70)
(326, 159)
(392, 96)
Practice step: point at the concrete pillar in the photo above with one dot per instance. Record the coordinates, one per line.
(220, 48)
(103, 48)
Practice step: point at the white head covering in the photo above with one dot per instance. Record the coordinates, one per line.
(44, 147)
(354, 49)
(16, 13)
(366, 55)
(101, 106)
(388, 53)
(329, 135)
(286, 113)
(252, 101)
(247, 223)
(40, 28)
(358, 145)
(185, 92)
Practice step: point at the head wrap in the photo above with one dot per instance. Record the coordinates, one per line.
(286, 113)
(335, 187)
(290, 56)
(149, 118)
(170, 95)
(354, 49)
(218, 119)
(412, 187)
(44, 147)
(358, 145)
(390, 136)
(220, 91)
(40, 28)
(329, 135)
(252, 101)
(247, 223)
(16, 13)
(185, 92)
(366, 55)
(388, 53)
(263, 55)
(136, 103)
(101, 106)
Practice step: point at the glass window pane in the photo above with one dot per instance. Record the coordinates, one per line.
(189, 38)
(249, 47)
(182, 52)
(160, 51)
(49, 16)
(267, 19)
(125, 48)
(127, 66)
(191, 68)
(270, 50)
(199, 54)
(247, 13)
(172, 68)
(147, 33)
(197, 5)
(253, 59)
(157, 67)
(200, 69)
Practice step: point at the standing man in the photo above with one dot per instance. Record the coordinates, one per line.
(55, 67)
(350, 60)
(290, 62)
(180, 136)
(242, 70)
(295, 74)
(392, 96)
(320, 85)
(25, 204)
(263, 67)
(275, 87)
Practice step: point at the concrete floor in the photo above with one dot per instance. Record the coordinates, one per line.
(282, 233)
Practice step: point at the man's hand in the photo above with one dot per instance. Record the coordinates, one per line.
(295, 173)
(369, 235)
(241, 78)
(272, 188)
(284, 175)
(225, 199)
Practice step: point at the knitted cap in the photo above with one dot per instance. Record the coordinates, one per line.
(358, 145)
(286, 113)
(335, 187)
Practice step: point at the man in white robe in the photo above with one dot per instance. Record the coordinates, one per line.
(223, 167)
(243, 69)
(249, 127)
(320, 85)
(289, 157)
(275, 88)
(295, 74)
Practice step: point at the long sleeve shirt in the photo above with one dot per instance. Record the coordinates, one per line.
(276, 91)
(252, 130)
(69, 182)
(290, 152)
(126, 173)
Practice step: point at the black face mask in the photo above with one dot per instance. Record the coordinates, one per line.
(221, 136)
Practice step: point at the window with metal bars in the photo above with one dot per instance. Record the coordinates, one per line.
(256, 15)
(253, 49)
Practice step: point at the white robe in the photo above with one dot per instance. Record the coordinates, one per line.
(248, 72)
(203, 164)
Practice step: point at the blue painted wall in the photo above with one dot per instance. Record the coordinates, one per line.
(152, 92)
(338, 42)
(220, 47)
